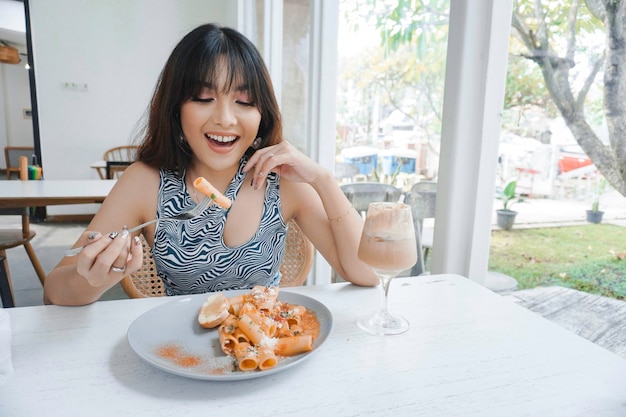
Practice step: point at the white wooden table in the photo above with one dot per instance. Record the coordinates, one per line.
(53, 192)
(468, 352)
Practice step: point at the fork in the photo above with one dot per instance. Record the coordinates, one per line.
(185, 215)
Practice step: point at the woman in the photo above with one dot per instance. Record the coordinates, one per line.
(213, 115)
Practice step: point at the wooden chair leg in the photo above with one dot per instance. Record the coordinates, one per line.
(6, 289)
(35, 261)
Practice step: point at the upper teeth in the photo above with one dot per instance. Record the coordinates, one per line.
(222, 138)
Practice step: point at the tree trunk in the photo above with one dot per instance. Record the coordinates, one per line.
(614, 88)
(609, 159)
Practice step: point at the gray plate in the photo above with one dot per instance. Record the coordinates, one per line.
(170, 338)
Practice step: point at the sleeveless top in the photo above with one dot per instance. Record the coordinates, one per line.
(191, 256)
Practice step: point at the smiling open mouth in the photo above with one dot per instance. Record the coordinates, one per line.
(222, 140)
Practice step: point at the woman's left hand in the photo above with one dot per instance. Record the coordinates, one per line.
(285, 160)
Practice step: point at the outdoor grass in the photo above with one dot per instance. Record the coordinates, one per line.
(590, 258)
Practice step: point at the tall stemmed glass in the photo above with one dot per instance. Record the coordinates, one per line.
(388, 246)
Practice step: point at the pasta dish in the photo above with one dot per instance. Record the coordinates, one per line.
(259, 329)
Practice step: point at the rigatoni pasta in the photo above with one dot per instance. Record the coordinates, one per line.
(292, 345)
(260, 328)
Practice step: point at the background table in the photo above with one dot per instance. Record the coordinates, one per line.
(53, 192)
(100, 167)
(468, 352)
(109, 169)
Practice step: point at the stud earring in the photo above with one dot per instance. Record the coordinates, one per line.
(257, 143)
(183, 145)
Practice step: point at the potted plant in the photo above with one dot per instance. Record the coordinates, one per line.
(506, 216)
(595, 214)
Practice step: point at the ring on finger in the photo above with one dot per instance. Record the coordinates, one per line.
(116, 269)
(271, 155)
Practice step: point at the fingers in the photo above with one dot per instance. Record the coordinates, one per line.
(97, 244)
(134, 261)
(263, 161)
(119, 264)
(107, 255)
(88, 238)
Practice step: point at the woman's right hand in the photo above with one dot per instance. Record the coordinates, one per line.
(108, 257)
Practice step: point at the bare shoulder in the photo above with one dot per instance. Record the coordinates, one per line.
(142, 169)
(139, 178)
(134, 196)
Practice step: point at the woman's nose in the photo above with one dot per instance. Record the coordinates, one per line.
(224, 114)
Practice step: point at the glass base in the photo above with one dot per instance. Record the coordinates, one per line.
(383, 324)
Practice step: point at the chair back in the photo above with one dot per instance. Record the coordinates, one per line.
(12, 238)
(118, 159)
(12, 156)
(25, 215)
(298, 259)
(423, 200)
(361, 194)
(23, 212)
(126, 153)
(299, 252)
(345, 171)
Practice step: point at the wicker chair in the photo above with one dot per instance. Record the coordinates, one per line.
(295, 268)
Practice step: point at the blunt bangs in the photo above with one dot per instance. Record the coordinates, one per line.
(216, 52)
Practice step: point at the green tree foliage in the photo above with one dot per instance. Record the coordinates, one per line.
(558, 61)
(558, 36)
(407, 72)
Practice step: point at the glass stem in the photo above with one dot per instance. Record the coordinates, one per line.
(385, 280)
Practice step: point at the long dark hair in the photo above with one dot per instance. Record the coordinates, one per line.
(193, 63)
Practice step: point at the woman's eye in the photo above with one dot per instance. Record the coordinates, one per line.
(245, 103)
(202, 99)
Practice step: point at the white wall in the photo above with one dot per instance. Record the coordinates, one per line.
(15, 130)
(116, 49)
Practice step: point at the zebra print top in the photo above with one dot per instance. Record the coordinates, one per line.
(191, 256)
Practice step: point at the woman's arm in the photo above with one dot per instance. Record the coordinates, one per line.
(311, 195)
(83, 278)
(334, 226)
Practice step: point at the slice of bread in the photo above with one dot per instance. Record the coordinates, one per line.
(213, 311)
(205, 187)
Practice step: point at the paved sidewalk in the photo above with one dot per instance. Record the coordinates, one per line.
(545, 212)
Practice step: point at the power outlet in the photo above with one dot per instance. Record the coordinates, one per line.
(71, 86)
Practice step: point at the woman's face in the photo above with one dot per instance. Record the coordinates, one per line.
(220, 126)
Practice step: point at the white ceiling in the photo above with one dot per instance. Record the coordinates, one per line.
(13, 24)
